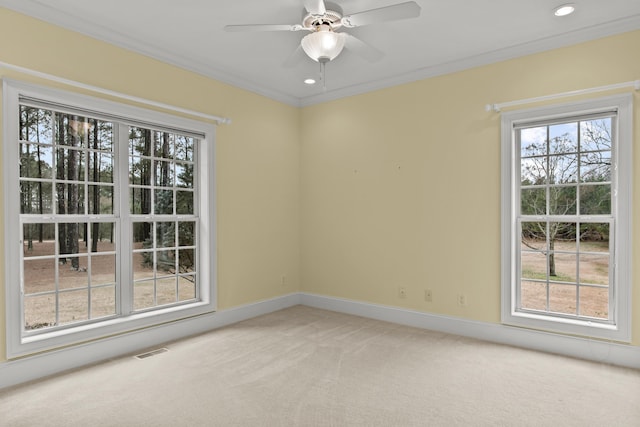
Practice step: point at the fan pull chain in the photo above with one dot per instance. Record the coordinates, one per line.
(323, 61)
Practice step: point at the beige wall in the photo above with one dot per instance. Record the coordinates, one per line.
(257, 156)
(401, 187)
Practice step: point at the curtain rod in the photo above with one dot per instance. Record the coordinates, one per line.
(497, 107)
(50, 77)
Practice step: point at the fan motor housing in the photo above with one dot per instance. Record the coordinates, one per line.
(331, 17)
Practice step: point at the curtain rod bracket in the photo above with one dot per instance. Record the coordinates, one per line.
(492, 108)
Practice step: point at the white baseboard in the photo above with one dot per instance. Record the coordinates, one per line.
(583, 348)
(41, 365)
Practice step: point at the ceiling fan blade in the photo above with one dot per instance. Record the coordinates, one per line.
(361, 48)
(396, 12)
(262, 27)
(315, 7)
(295, 58)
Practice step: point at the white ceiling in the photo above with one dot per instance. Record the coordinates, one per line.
(449, 35)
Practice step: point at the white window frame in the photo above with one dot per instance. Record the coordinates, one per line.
(619, 328)
(20, 344)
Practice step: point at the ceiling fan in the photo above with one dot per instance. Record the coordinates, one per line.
(323, 20)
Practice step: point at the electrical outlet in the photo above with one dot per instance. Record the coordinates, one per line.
(428, 295)
(462, 300)
(283, 280)
(402, 293)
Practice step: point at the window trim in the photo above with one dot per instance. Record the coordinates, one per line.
(19, 345)
(620, 328)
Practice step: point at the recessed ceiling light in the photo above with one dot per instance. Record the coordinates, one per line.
(309, 81)
(564, 10)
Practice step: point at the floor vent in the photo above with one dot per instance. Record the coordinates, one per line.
(151, 353)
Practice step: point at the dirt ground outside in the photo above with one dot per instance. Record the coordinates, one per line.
(81, 297)
(79, 300)
(586, 289)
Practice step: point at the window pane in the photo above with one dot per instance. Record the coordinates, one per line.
(184, 175)
(39, 311)
(166, 291)
(186, 260)
(101, 135)
(184, 203)
(70, 276)
(100, 199)
(39, 276)
(594, 269)
(164, 173)
(139, 141)
(533, 295)
(534, 265)
(594, 237)
(70, 165)
(142, 235)
(70, 199)
(563, 299)
(594, 302)
(35, 125)
(36, 161)
(562, 200)
(164, 145)
(143, 266)
(73, 130)
(563, 267)
(143, 262)
(74, 306)
(533, 201)
(562, 236)
(165, 262)
(184, 148)
(139, 171)
(164, 202)
(35, 197)
(533, 171)
(103, 301)
(186, 288)
(39, 240)
(533, 141)
(100, 167)
(186, 233)
(595, 167)
(71, 238)
(595, 199)
(165, 234)
(595, 135)
(103, 237)
(143, 295)
(563, 138)
(140, 201)
(534, 235)
(103, 270)
(563, 169)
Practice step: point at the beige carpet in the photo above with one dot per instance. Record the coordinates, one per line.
(308, 367)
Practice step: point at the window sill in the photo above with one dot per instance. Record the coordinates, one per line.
(47, 341)
(584, 328)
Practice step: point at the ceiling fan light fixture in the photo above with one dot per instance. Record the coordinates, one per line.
(323, 44)
(564, 10)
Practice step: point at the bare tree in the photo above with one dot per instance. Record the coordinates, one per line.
(550, 183)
